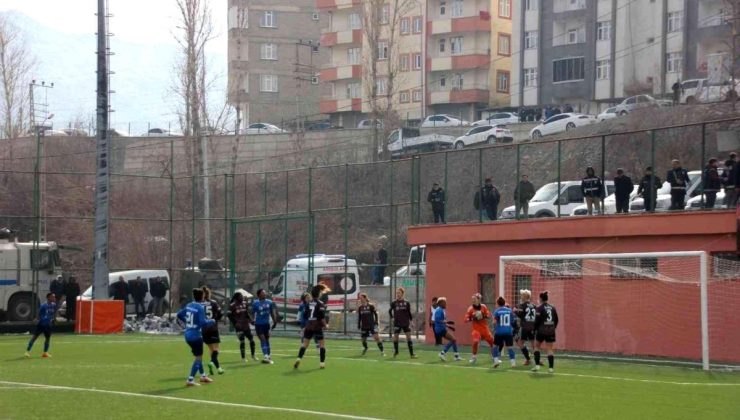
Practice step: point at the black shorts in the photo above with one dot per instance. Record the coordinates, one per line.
(211, 337)
(43, 329)
(315, 335)
(368, 333)
(196, 347)
(526, 335)
(262, 329)
(503, 340)
(240, 334)
(547, 338)
(398, 330)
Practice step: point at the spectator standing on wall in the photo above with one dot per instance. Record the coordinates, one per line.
(593, 190)
(678, 177)
(522, 194)
(120, 292)
(437, 199)
(676, 88)
(158, 292)
(57, 287)
(730, 181)
(648, 189)
(622, 189)
(711, 182)
(138, 292)
(71, 290)
(487, 199)
(381, 262)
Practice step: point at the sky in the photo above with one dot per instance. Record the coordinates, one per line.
(61, 33)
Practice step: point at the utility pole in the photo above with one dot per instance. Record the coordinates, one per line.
(733, 20)
(303, 72)
(40, 111)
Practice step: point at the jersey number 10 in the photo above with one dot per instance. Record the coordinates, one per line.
(505, 320)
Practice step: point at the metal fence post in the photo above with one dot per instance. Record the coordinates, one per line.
(516, 181)
(480, 185)
(559, 168)
(172, 216)
(703, 157)
(603, 173)
(652, 173)
(346, 239)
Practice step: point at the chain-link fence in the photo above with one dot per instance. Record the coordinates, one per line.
(234, 228)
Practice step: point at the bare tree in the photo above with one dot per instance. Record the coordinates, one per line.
(16, 66)
(382, 65)
(733, 21)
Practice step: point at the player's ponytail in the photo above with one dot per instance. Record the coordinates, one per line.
(501, 301)
(206, 292)
(544, 296)
(319, 290)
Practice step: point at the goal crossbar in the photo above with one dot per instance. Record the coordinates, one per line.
(703, 279)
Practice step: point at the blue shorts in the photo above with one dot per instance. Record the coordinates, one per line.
(196, 346)
(440, 332)
(43, 329)
(262, 329)
(501, 340)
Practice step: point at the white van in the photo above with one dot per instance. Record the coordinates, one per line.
(148, 276)
(286, 289)
(546, 199)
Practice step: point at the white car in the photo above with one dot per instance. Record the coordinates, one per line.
(689, 89)
(484, 134)
(443, 120)
(368, 124)
(608, 114)
(663, 199)
(638, 102)
(561, 123)
(161, 132)
(610, 204)
(499, 118)
(54, 133)
(262, 128)
(695, 203)
(548, 200)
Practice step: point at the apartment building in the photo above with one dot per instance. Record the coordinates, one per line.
(450, 53)
(593, 53)
(274, 59)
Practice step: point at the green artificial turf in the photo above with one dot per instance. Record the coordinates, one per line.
(154, 368)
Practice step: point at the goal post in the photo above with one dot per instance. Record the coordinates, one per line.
(623, 303)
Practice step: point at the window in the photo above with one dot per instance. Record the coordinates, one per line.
(417, 61)
(504, 9)
(268, 52)
(417, 24)
(568, 69)
(561, 268)
(268, 83)
(521, 281)
(602, 69)
(355, 22)
(238, 17)
(634, 268)
(315, 80)
(502, 81)
(675, 21)
(487, 288)
(416, 95)
(382, 50)
(530, 77)
(442, 7)
(381, 87)
(504, 44)
(336, 281)
(603, 31)
(442, 43)
(674, 62)
(405, 26)
(530, 4)
(457, 8)
(268, 19)
(404, 62)
(385, 14)
(41, 259)
(458, 81)
(404, 97)
(574, 36)
(456, 45)
(442, 81)
(315, 16)
(354, 90)
(530, 39)
(354, 56)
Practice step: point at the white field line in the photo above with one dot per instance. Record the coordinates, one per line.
(189, 400)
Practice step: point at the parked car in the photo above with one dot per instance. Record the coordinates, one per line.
(117, 133)
(322, 126)
(546, 200)
(262, 128)
(696, 203)
(76, 132)
(498, 118)
(50, 132)
(409, 141)
(610, 204)
(663, 200)
(638, 102)
(607, 114)
(161, 132)
(708, 93)
(561, 123)
(443, 120)
(368, 124)
(688, 90)
(484, 134)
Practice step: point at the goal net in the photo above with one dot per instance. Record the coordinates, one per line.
(677, 305)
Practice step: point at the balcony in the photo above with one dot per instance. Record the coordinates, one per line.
(352, 37)
(467, 60)
(333, 72)
(329, 105)
(466, 95)
(336, 4)
(561, 6)
(480, 23)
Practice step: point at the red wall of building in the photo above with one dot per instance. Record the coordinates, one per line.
(599, 313)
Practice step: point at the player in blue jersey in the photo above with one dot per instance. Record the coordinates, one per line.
(503, 334)
(264, 311)
(47, 310)
(194, 317)
(442, 330)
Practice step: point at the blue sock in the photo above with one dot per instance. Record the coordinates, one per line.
(447, 347)
(267, 343)
(454, 346)
(193, 370)
(512, 356)
(496, 352)
(493, 351)
(30, 344)
(265, 349)
(46, 345)
(200, 368)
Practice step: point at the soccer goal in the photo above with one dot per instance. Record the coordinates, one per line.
(676, 305)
